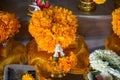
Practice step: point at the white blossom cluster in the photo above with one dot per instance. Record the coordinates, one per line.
(105, 61)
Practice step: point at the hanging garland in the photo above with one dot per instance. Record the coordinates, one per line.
(52, 26)
(105, 60)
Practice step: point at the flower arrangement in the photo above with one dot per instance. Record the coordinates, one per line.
(55, 48)
(99, 1)
(9, 25)
(52, 26)
(27, 77)
(64, 64)
(116, 21)
(105, 61)
(59, 64)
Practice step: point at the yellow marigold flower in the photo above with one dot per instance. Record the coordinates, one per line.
(66, 63)
(116, 21)
(27, 77)
(52, 26)
(9, 25)
(99, 1)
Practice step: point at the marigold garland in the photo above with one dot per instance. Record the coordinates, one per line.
(52, 26)
(9, 25)
(116, 21)
(27, 77)
(64, 64)
(99, 1)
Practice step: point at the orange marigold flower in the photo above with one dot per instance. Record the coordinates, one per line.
(116, 21)
(52, 26)
(99, 1)
(27, 77)
(9, 25)
(66, 63)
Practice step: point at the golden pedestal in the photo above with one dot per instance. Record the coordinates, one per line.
(41, 59)
(87, 5)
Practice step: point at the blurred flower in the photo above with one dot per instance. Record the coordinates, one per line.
(43, 4)
(55, 25)
(105, 61)
(116, 21)
(27, 77)
(99, 1)
(66, 63)
(9, 25)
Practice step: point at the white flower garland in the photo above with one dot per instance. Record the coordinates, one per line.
(105, 61)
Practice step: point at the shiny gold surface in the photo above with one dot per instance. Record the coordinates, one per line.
(87, 5)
